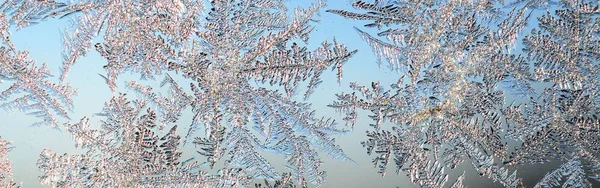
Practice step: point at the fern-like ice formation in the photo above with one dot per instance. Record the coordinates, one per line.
(224, 97)
(5, 165)
(461, 63)
(458, 70)
(225, 52)
(128, 152)
(30, 89)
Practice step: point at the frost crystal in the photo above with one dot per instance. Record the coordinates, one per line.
(41, 98)
(449, 106)
(127, 152)
(572, 170)
(225, 52)
(477, 85)
(5, 165)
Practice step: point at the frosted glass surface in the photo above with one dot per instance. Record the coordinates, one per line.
(276, 93)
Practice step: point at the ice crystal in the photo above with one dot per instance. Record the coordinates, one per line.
(462, 64)
(139, 36)
(225, 52)
(574, 172)
(5, 165)
(30, 91)
(244, 42)
(286, 182)
(126, 151)
(24, 13)
(458, 71)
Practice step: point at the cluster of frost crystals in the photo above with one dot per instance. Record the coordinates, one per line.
(30, 89)
(5, 165)
(459, 66)
(241, 43)
(138, 36)
(224, 52)
(127, 151)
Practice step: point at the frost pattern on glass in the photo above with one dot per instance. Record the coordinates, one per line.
(139, 36)
(572, 170)
(5, 165)
(229, 54)
(30, 90)
(457, 71)
(127, 151)
(462, 64)
(285, 182)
